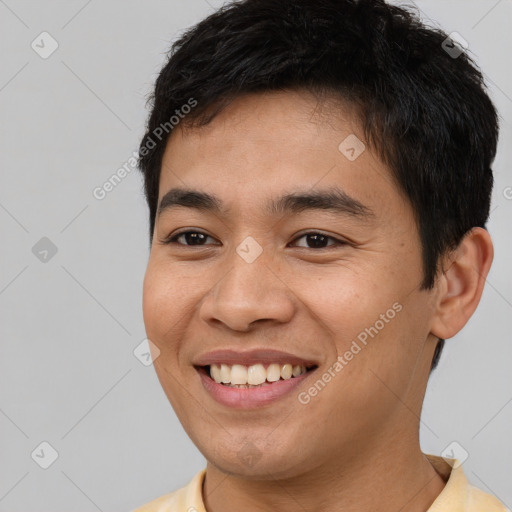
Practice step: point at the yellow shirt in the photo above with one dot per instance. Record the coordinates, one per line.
(457, 495)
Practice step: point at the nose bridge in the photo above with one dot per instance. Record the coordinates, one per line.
(249, 291)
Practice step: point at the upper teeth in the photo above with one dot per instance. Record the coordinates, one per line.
(255, 374)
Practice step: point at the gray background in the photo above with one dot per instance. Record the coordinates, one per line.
(69, 325)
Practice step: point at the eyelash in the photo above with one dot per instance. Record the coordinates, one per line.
(172, 239)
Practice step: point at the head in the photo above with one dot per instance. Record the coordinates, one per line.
(300, 124)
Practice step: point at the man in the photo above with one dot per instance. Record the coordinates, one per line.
(318, 179)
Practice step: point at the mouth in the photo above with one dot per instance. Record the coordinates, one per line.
(253, 376)
(242, 387)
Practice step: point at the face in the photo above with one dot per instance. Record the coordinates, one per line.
(327, 278)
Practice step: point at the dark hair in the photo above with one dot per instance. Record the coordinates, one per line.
(423, 108)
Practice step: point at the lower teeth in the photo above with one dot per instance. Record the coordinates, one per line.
(247, 386)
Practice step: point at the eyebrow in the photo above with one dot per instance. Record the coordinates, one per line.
(333, 200)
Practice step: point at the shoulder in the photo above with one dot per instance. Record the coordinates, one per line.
(165, 503)
(185, 499)
(478, 500)
(458, 495)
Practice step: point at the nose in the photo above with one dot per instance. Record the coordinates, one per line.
(246, 294)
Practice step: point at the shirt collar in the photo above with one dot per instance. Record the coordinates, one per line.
(452, 497)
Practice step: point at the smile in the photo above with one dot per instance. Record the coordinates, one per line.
(275, 382)
(255, 375)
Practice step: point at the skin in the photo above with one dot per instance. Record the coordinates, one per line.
(354, 446)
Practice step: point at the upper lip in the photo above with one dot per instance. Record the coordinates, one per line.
(251, 357)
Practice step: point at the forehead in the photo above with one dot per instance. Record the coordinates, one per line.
(289, 117)
(263, 144)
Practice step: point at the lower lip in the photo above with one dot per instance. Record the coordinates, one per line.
(249, 398)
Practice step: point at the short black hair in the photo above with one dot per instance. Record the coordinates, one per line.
(424, 109)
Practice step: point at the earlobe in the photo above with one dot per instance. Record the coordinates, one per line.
(461, 283)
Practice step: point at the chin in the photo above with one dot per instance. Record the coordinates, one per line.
(251, 463)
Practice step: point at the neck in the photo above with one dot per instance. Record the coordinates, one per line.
(381, 480)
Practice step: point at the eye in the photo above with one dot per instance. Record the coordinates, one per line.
(191, 238)
(319, 240)
(314, 240)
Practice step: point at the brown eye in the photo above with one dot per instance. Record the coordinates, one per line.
(316, 240)
(189, 238)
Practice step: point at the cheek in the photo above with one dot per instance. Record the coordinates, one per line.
(163, 302)
(372, 320)
(383, 354)
(153, 290)
(164, 319)
(165, 287)
(346, 301)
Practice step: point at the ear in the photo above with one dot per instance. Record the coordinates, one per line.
(461, 283)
